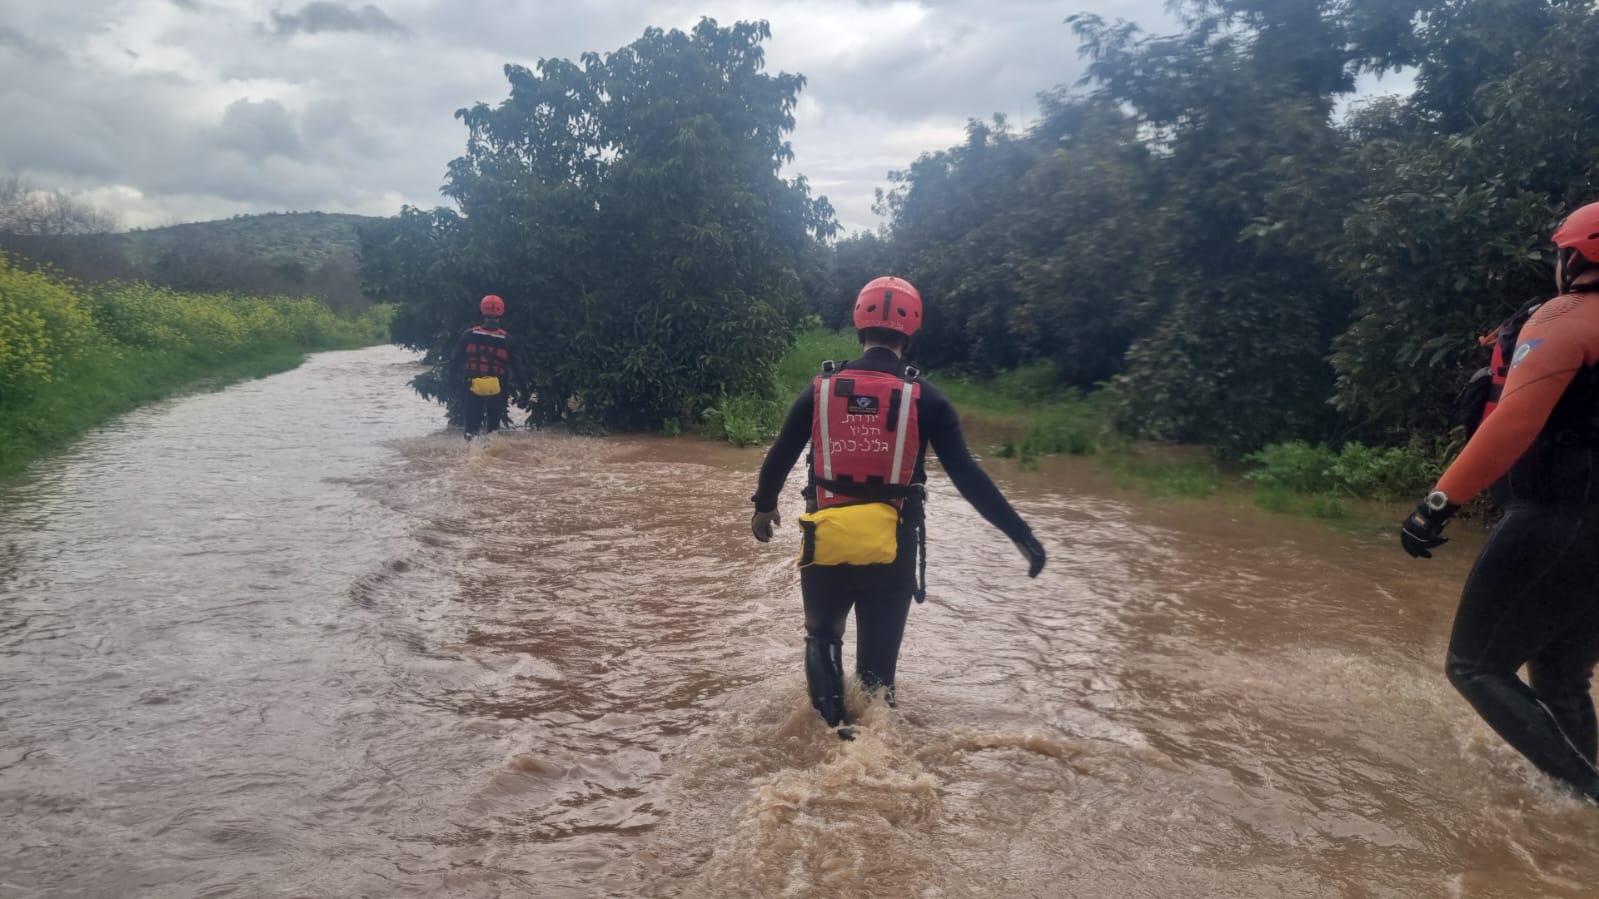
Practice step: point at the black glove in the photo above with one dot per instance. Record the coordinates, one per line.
(1423, 530)
(764, 524)
(1034, 551)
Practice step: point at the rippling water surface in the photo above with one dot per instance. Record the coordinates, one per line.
(294, 639)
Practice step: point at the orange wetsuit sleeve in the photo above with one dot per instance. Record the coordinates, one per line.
(1555, 344)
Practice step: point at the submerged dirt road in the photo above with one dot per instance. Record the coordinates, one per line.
(291, 639)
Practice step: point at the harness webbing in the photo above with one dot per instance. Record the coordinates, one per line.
(827, 440)
(905, 402)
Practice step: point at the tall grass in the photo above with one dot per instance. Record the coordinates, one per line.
(804, 362)
(746, 419)
(73, 356)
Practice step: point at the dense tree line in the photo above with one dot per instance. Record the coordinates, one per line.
(1197, 225)
(630, 209)
(1214, 225)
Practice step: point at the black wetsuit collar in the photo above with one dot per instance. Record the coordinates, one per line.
(879, 358)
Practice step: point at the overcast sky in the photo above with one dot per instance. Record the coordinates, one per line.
(167, 110)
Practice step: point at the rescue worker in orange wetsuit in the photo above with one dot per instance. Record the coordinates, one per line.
(486, 361)
(869, 423)
(1533, 596)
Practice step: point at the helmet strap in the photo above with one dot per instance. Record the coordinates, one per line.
(1572, 265)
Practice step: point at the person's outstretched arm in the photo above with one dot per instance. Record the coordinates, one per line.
(943, 430)
(785, 452)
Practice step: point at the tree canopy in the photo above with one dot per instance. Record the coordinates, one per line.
(1211, 225)
(631, 210)
(1214, 225)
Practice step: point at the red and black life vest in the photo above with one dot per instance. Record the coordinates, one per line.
(487, 353)
(1504, 343)
(1481, 395)
(865, 436)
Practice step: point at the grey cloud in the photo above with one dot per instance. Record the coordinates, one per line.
(258, 129)
(86, 130)
(333, 123)
(357, 130)
(969, 70)
(322, 15)
(16, 40)
(325, 121)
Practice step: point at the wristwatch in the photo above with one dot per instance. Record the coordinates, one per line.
(1437, 501)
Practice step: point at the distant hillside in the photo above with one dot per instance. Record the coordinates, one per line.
(310, 238)
(296, 253)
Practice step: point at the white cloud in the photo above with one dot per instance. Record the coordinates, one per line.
(202, 108)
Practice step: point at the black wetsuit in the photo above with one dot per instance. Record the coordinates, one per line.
(1532, 597)
(879, 594)
(485, 412)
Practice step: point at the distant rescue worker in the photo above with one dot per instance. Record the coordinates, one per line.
(869, 423)
(488, 369)
(1533, 596)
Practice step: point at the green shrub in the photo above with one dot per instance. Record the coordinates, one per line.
(744, 420)
(1294, 465)
(1355, 470)
(43, 324)
(1385, 473)
(1037, 381)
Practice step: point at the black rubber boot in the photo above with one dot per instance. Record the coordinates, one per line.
(824, 673)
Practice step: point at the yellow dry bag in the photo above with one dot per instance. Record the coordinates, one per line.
(489, 386)
(853, 534)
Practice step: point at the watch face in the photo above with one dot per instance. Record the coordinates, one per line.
(1437, 500)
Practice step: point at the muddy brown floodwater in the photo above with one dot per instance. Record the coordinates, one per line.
(292, 639)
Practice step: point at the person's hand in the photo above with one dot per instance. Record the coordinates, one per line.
(1422, 531)
(1034, 551)
(764, 524)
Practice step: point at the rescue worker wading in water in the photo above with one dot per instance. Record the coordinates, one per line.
(486, 361)
(869, 423)
(1533, 596)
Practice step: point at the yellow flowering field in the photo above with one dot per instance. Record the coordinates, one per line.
(72, 355)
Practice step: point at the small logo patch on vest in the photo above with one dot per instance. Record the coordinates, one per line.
(863, 405)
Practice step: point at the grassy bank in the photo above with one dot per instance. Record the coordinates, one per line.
(1024, 415)
(73, 356)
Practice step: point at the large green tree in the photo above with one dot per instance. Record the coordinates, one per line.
(1459, 192)
(631, 210)
(1201, 223)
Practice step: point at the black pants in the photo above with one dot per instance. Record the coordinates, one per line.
(484, 412)
(881, 597)
(1533, 599)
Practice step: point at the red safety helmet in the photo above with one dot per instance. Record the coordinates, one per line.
(891, 303)
(492, 306)
(1580, 232)
(1578, 240)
